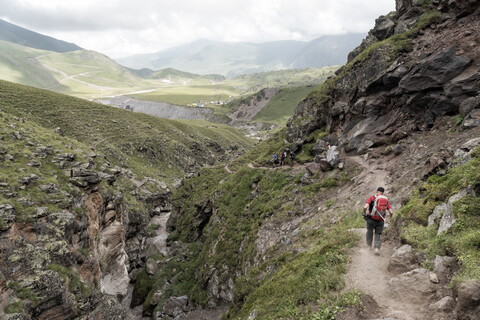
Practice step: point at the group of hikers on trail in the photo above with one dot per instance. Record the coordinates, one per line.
(375, 209)
(375, 213)
(284, 155)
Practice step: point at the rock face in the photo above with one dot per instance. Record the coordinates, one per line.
(468, 305)
(401, 87)
(247, 111)
(443, 214)
(71, 243)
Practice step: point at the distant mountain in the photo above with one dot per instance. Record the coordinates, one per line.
(231, 59)
(326, 51)
(173, 73)
(12, 33)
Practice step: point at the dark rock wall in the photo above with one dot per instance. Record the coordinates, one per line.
(427, 67)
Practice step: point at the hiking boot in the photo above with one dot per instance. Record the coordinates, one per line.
(377, 251)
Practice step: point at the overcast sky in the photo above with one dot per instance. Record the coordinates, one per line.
(121, 28)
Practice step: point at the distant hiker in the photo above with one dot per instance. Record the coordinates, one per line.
(292, 158)
(283, 156)
(275, 159)
(377, 207)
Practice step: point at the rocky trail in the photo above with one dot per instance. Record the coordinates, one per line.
(369, 273)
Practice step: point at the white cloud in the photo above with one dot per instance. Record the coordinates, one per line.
(123, 27)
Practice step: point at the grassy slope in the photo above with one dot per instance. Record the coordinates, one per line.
(17, 65)
(155, 146)
(91, 75)
(287, 285)
(22, 150)
(283, 78)
(463, 239)
(29, 150)
(195, 91)
(283, 104)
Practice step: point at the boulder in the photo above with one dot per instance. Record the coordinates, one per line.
(7, 214)
(447, 220)
(446, 210)
(252, 315)
(402, 260)
(312, 168)
(412, 285)
(398, 149)
(175, 304)
(443, 267)
(50, 188)
(464, 154)
(470, 144)
(432, 165)
(84, 178)
(468, 105)
(403, 6)
(437, 214)
(333, 156)
(384, 27)
(472, 120)
(446, 304)
(324, 165)
(468, 300)
(320, 147)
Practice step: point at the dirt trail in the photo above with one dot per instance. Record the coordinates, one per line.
(368, 273)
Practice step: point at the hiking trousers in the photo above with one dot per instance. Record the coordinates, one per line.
(377, 226)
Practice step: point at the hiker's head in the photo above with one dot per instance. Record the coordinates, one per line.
(380, 190)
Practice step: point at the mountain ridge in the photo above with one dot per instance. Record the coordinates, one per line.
(231, 59)
(13, 33)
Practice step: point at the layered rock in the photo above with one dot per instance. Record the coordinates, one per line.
(425, 68)
(70, 242)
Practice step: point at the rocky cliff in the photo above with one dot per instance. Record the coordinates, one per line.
(418, 64)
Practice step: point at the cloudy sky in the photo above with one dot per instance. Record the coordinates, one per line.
(120, 28)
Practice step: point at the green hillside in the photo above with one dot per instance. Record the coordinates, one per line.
(15, 34)
(91, 75)
(156, 147)
(17, 64)
(202, 90)
(173, 74)
(283, 104)
(283, 78)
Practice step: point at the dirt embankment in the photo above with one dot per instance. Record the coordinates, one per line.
(245, 112)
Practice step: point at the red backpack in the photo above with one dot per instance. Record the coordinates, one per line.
(380, 206)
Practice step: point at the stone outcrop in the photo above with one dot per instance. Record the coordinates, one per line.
(424, 71)
(70, 246)
(443, 213)
(402, 260)
(468, 304)
(247, 111)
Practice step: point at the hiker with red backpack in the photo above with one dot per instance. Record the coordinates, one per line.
(377, 207)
